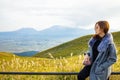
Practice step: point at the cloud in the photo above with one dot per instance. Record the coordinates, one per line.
(41, 14)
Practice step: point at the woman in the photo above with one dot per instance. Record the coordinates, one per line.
(101, 54)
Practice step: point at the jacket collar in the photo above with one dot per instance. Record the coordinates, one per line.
(108, 39)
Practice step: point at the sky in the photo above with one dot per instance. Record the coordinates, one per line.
(42, 14)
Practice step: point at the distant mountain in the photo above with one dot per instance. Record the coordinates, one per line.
(28, 53)
(54, 31)
(29, 31)
(29, 39)
(61, 31)
(20, 32)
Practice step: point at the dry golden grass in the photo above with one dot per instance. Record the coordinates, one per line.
(31, 64)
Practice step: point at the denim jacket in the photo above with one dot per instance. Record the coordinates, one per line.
(101, 68)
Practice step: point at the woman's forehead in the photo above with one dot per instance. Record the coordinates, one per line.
(96, 25)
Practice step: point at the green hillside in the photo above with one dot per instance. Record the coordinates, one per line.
(74, 47)
(6, 54)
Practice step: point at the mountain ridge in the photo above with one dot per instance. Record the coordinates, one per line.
(55, 30)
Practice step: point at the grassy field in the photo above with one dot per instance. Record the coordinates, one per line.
(66, 57)
(28, 64)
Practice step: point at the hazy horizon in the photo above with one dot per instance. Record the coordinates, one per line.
(111, 30)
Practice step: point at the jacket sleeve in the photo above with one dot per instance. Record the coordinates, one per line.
(111, 57)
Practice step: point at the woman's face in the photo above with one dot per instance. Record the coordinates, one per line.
(98, 30)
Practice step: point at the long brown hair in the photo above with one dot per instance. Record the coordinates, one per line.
(103, 25)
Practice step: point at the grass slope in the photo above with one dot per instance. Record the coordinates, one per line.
(74, 47)
(6, 54)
